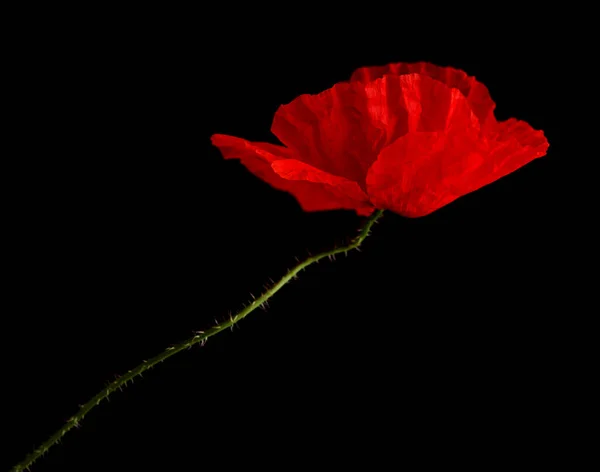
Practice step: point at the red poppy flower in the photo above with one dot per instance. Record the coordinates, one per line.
(409, 138)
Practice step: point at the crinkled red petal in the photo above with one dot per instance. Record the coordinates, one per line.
(315, 191)
(238, 148)
(422, 172)
(513, 144)
(292, 169)
(430, 104)
(331, 131)
(342, 130)
(417, 173)
(476, 93)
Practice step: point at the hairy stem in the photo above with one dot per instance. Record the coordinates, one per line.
(199, 337)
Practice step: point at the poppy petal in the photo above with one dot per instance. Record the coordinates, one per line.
(475, 92)
(330, 131)
(344, 189)
(258, 159)
(432, 105)
(422, 172)
(238, 148)
(342, 130)
(414, 176)
(510, 146)
(513, 144)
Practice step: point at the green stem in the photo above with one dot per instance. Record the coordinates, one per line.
(199, 337)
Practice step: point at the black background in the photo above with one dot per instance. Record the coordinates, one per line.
(449, 337)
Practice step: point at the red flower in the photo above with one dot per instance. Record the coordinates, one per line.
(410, 138)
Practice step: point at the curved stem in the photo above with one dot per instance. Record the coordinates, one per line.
(199, 337)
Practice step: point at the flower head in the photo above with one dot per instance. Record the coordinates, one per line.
(409, 138)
